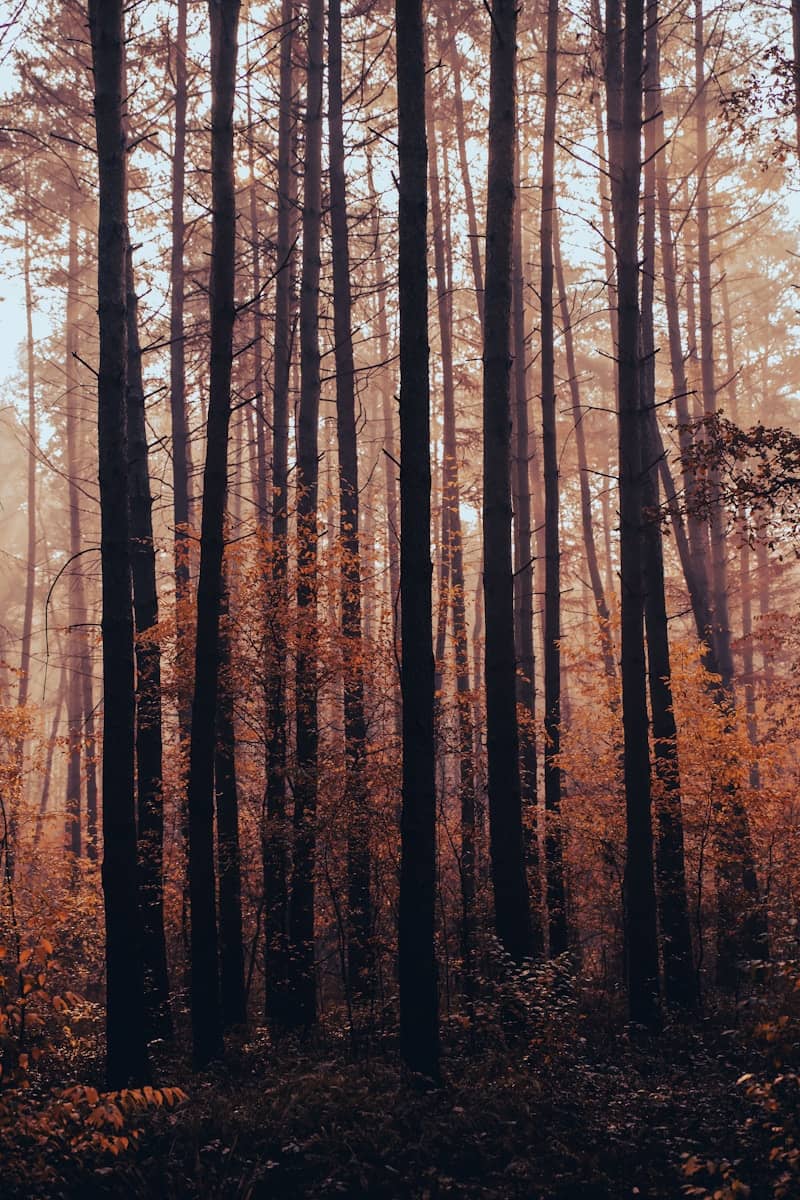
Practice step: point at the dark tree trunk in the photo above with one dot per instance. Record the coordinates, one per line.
(301, 906)
(231, 948)
(512, 912)
(149, 779)
(276, 834)
(624, 67)
(177, 382)
(205, 998)
(126, 1051)
(553, 838)
(359, 964)
(523, 591)
(680, 987)
(452, 555)
(419, 1020)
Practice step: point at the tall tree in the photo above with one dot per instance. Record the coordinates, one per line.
(512, 912)
(205, 997)
(177, 371)
(553, 839)
(275, 836)
(419, 1018)
(624, 65)
(355, 724)
(676, 943)
(149, 742)
(301, 905)
(126, 1051)
(523, 584)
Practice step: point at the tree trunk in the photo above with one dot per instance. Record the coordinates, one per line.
(624, 67)
(452, 554)
(359, 964)
(419, 1022)
(301, 906)
(512, 911)
(205, 998)
(523, 588)
(553, 848)
(680, 986)
(389, 440)
(126, 1051)
(149, 778)
(276, 835)
(741, 923)
(177, 383)
(231, 949)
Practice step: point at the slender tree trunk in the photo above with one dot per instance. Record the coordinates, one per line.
(76, 640)
(452, 554)
(680, 987)
(259, 435)
(231, 948)
(359, 956)
(389, 439)
(181, 465)
(463, 159)
(587, 520)
(624, 55)
(419, 1020)
(149, 778)
(205, 997)
(126, 1061)
(41, 816)
(523, 587)
(741, 923)
(553, 852)
(301, 907)
(512, 911)
(276, 834)
(30, 565)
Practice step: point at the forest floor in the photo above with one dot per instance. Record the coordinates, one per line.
(576, 1109)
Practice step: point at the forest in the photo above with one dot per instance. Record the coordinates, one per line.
(399, 643)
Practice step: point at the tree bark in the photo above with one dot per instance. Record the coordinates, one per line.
(231, 947)
(275, 834)
(149, 777)
(553, 842)
(126, 1051)
(359, 964)
(419, 1021)
(452, 554)
(301, 906)
(177, 382)
(624, 66)
(523, 587)
(205, 997)
(680, 986)
(511, 902)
